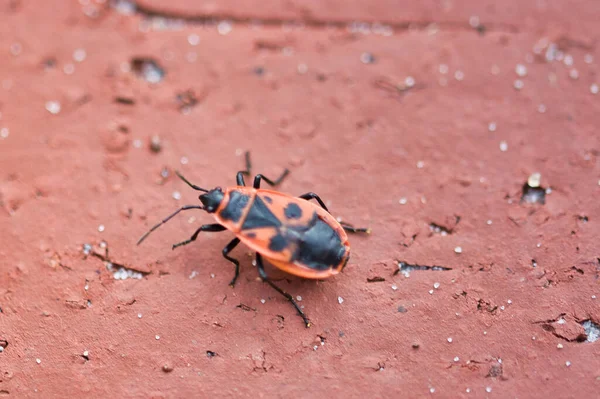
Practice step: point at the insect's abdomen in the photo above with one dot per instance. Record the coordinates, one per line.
(320, 247)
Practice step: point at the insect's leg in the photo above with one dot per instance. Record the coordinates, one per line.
(205, 227)
(165, 220)
(232, 244)
(348, 227)
(309, 196)
(239, 178)
(258, 178)
(265, 278)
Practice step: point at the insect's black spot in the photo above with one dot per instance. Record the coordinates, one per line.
(293, 211)
(251, 235)
(259, 215)
(278, 243)
(268, 199)
(235, 208)
(320, 247)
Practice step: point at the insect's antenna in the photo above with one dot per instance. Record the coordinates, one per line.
(165, 220)
(195, 187)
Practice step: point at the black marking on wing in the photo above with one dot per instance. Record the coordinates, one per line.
(292, 211)
(235, 207)
(278, 243)
(320, 247)
(259, 215)
(268, 199)
(251, 235)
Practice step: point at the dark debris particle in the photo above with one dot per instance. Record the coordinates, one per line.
(246, 308)
(495, 371)
(533, 195)
(186, 100)
(376, 279)
(402, 309)
(49, 63)
(259, 71)
(341, 334)
(3, 344)
(211, 354)
(155, 144)
(124, 100)
(147, 69)
(167, 368)
(583, 218)
(416, 346)
(367, 58)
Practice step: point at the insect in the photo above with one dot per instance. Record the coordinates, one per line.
(293, 234)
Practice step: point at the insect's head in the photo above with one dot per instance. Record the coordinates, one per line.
(212, 199)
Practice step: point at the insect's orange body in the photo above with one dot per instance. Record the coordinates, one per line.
(258, 230)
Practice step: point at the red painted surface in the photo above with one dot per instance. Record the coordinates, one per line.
(345, 133)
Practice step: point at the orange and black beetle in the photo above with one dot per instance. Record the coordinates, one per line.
(293, 234)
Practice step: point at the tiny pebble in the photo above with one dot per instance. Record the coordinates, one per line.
(224, 27)
(503, 146)
(436, 285)
(593, 296)
(488, 389)
(559, 346)
(101, 228)
(521, 70)
(568, 363)
(53, 107)
(568, 60)
(299, 298)
(79, 55)
(403, 200)
(492, 127)
(474, 21)
(139, 315)
(193, 39)
(137, 143)
(449, 340)
(518, 84)
(4, 132)
(1, 349)
(176, 195)
(430, 292)
(340, 300)
(432, 390)
(69, 69)
(489, 221)
(184, 160)
(38, 361)
(594, 89)
(458, 250)
(262, 301)
(86, 353)
(468, 390)
(409, 81)
(443, 68)
(157, 337)
(574, 74)
(212, 275)
(534, 180)
(302, 69)
(394, 287)
(456, 359)
(459, 75)
(588, 58)
(509, 301)
(420, 164)
(539, 244)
